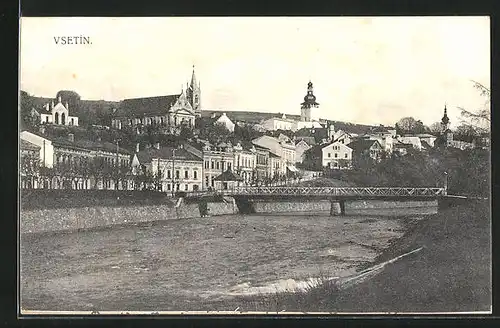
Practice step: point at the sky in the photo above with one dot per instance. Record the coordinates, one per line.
(371, 70)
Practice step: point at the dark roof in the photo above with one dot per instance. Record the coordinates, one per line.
(228, 176)
(361, 144)
(308, 140)
(26, 145)
(89, 145)
(271, 154)
(400, 144)
(146, 155)
(425, 144)
(147, 105)
(379, 129)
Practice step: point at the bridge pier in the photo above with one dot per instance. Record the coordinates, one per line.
(337, 208)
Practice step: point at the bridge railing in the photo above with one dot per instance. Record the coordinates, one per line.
(326, 191)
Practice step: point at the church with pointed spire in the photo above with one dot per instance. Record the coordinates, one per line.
(168, 113)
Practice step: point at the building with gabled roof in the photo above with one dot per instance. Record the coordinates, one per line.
(365, 148)
(168, 113)
(173, 169)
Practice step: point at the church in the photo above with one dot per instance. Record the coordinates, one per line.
(58, 114)
(169, 113)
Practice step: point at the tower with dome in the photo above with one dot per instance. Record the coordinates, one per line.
(308, 104)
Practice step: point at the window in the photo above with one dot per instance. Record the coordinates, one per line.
(213, 182)
(186, 174)
(228, 166)
(195, 175)
(169, 174)
(177, 187)
(206, 181)
(169, 187)
(46, 119)
(212, 164)
(177, 175)
(336, 155)
(186, 187)
(206, 164)
(217, 165)
(329, 155)
(345, 155)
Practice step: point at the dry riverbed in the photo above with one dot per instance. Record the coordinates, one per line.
(198, 264)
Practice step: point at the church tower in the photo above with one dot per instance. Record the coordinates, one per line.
(194, 94)
(309, 102)
(446, 132)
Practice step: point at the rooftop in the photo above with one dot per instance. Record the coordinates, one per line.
(147, 155)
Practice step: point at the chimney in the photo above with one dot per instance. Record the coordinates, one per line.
(67, 107)
(71, 137)
(137, 147)
(47, 108)
(59, 99)
(52, 105)
(157, 145)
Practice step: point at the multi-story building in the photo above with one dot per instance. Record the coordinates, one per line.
(172, 169)
(365, 148)
(29, 163)
(279, 123)
(262, 163)
(334, 155)
(79, 164)
(245, 162)
(216, 160)
(285, 150)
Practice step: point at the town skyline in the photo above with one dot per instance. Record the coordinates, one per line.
(382, 70)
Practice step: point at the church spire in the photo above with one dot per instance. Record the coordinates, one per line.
(445, 121)
(193, 80)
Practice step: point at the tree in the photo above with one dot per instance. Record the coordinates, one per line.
(409, 125)
(465, 132)
(215, 133)
(435, 127)
(481, 118)
(69, 96)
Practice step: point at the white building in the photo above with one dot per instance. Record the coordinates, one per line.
(58, 114)
(279, 123)
(414, 141)
(226, 121)
(336, 156)
(300, 148)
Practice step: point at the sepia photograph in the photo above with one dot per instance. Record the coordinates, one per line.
(254, 165)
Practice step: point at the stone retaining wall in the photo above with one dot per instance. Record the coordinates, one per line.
(375, 204)
(297, 206)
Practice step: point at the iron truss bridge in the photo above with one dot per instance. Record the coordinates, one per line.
(360, 192)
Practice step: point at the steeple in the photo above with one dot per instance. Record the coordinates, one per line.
(445, 121)
(193, 80)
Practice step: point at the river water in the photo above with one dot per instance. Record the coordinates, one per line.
(188, 264)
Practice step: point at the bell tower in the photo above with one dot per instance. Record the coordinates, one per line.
(194, 94)
(309, 102)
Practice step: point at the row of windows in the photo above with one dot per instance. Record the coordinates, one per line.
(336, 155)
(83, 160)
(218, 165)
(178, 187)
(178, 174)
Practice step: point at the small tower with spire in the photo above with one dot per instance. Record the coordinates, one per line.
(309, 102)
(445, 121)
(193, 93)
(447, 134)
